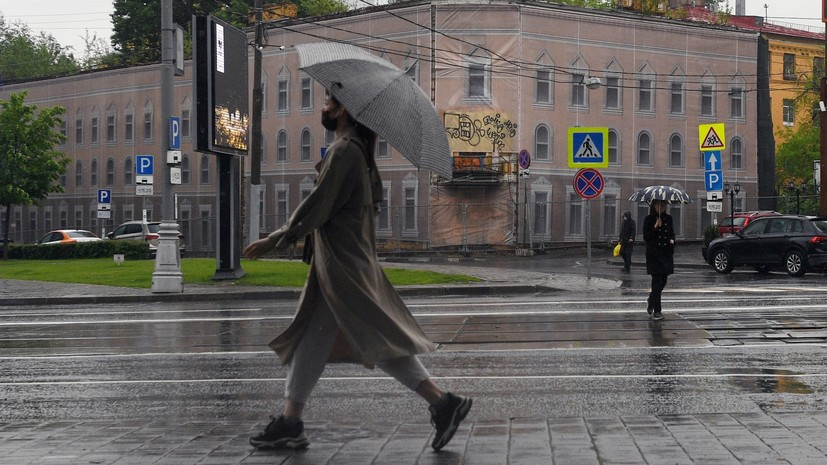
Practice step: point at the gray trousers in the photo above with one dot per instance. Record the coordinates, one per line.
(313, 351)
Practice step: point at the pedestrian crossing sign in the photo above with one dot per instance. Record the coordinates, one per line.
(588, 147)
(711, 137)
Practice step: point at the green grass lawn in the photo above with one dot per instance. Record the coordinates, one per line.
(138, 273)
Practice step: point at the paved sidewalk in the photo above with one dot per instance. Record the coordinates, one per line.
(720, 439)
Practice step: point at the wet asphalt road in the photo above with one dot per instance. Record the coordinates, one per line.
(721, 349)
(732, 350)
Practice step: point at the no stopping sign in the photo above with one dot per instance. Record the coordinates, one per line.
(588, 183)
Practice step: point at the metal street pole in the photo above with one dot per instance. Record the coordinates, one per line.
(167, 276)
(255, 156)
(253, 206)
(823, 120)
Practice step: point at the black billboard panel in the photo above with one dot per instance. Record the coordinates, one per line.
(222, 111)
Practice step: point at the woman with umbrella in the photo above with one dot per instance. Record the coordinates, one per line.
(348, 310)
(659, 235)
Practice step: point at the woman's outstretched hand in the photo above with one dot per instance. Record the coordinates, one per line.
(258, 248)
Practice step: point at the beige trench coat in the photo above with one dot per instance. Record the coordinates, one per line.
(345, 274)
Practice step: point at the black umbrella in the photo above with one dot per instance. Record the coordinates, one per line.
(666, 193)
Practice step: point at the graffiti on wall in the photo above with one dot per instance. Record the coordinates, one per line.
(480, 132)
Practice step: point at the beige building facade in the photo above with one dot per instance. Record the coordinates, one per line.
(505, 78)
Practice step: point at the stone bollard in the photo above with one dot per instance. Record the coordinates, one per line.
(167, 276)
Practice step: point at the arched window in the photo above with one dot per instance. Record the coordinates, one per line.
(128, 170)
(185, 169)
(110, 172)
(281, 146)
(93, 172)
(147, 121)
(736, 153)
(306, 146)
(205, 169)
(614, 147)
(675, 150)
(78, 173)
(644, 149)
(542, 143)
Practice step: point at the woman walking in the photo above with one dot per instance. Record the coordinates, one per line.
(659, 235)
(627, 240)
(349, 311)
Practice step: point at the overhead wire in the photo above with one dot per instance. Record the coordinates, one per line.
(518, 67)
(521, 66)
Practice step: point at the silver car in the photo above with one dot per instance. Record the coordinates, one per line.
(143, 231)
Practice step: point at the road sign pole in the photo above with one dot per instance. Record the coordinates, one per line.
(588, 239)
(167, 276)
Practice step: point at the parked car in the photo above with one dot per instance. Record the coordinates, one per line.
(739, 220)
(793, 243)
(143, 231)
(68, 236)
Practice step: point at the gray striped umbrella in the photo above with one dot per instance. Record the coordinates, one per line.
(382, 97)
(669, 194)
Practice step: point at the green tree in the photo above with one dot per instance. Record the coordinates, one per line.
(136, 24)
(26, 55)
(30, 167)
(794, 164)
(320, 7)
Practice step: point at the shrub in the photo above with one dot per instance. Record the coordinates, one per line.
(710, 234)
(132, 250)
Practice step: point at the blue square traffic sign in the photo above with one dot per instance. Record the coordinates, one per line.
(104, 196)
(714, 180)
(144, 165)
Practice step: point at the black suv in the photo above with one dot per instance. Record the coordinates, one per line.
(793, 243)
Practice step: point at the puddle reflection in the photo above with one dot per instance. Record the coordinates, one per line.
(771, 381)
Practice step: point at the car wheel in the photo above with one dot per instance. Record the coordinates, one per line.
(721, 261)
(794, 263)
(762, 269)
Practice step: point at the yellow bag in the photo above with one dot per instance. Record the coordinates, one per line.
(616, 251)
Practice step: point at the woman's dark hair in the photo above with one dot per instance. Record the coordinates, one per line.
(363, 132)
(652, 210)
(369, 138)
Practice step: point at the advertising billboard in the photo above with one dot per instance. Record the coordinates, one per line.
(222, 112)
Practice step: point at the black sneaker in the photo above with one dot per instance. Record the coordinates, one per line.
(281, 434)
(657, 315)
(446, 419)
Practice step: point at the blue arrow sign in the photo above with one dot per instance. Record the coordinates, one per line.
(712, 161)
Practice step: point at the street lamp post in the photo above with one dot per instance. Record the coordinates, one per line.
(732, 192)
(797, 189)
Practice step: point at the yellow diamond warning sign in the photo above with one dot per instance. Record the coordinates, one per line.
(711, 137)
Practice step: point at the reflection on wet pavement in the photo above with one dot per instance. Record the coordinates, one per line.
(774, 381)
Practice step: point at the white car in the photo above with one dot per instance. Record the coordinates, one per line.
(68, 236)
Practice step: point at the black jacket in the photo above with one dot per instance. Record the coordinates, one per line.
(659, 252)
(627, 231)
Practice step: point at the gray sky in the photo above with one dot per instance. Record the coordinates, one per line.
(68, 20)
